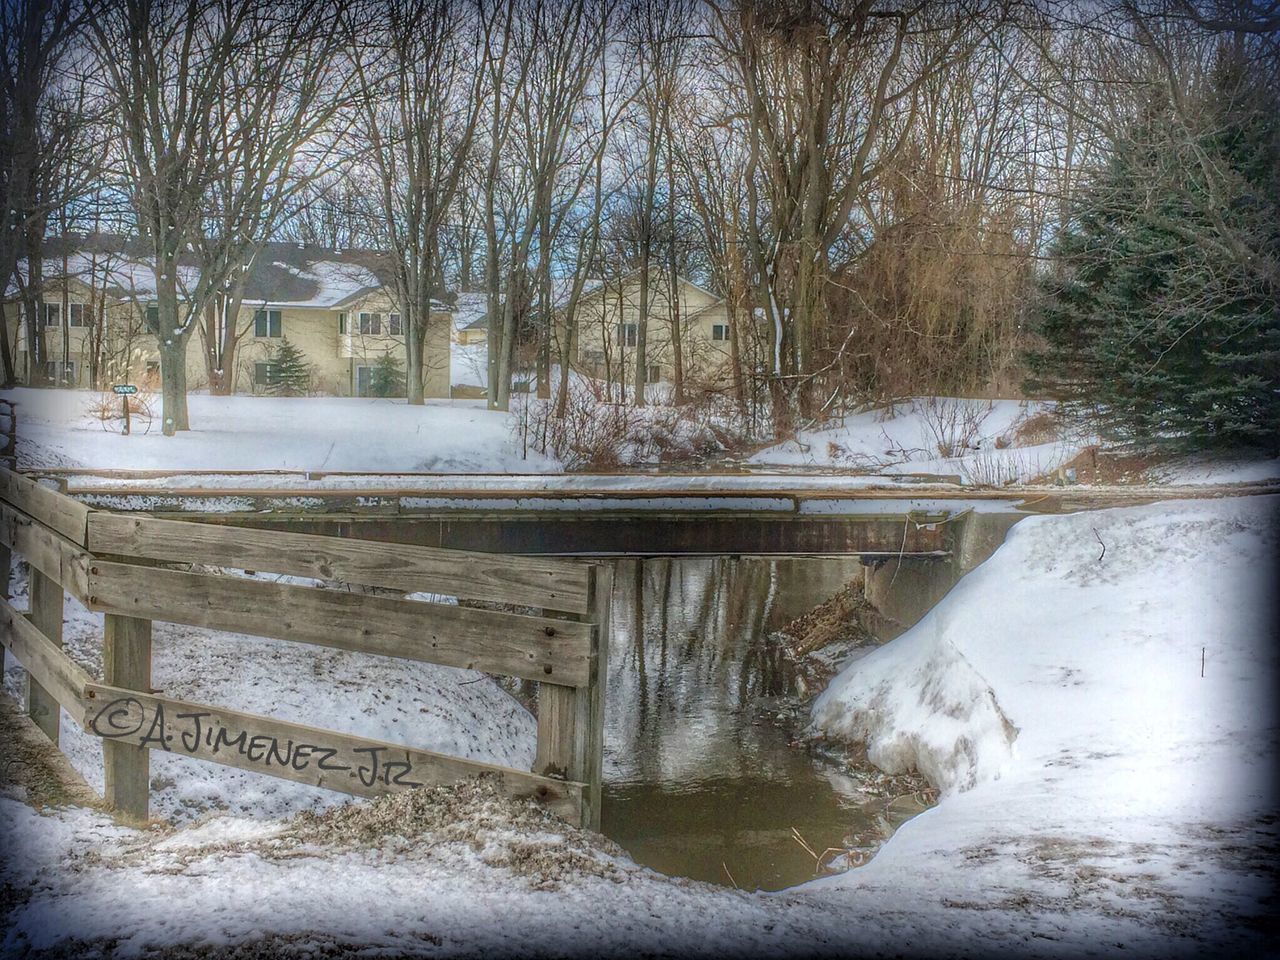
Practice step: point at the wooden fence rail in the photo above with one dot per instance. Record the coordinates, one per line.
(129, 568)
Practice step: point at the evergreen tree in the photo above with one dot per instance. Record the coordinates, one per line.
(1161, 319)
(290, 374)
(387, 378)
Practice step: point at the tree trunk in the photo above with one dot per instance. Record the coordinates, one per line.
(415, 335)
(677, 350)
(8, 377)
(173, 350)
(173, 386)
(506, 348)
(544, 301)
(735, 354)
(31, 300)
(642, 326)
(219, 367)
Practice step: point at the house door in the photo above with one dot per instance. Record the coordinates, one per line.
(364, 377)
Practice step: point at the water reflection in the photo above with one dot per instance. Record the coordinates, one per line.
(701, 779)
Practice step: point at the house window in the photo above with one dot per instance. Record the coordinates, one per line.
(719, 331)
(153, 320)
(264, 374)
(77, 315)
(652, 373)
(267, 323)
(370, 324)
(394, 326)
(627, 334)
(342, 323)
(60, 372)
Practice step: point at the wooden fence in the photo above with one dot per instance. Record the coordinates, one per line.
(129, 568)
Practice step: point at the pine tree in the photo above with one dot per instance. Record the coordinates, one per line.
(290, 374)
(387, 378)
(1161, 320)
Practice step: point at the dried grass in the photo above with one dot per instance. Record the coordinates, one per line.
(952, 426)
(107, 407)
(519, 836)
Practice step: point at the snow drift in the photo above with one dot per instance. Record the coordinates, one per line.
(1082, 634)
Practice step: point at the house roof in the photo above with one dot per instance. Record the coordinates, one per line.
(590, 287)
(283, 274)
(471, 311)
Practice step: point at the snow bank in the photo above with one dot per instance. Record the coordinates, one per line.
(1207, 471)
(1081, 640)
(920, 705)
(977, 440)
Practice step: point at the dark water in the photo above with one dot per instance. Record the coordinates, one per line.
(701, 777)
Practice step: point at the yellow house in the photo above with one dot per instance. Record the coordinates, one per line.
(471, 319)
(331, 304)
(608, 315)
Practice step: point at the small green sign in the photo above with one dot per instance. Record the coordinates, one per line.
(125, 388)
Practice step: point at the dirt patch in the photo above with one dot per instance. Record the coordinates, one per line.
(517, 835)
(28, 760)
(1095, 466)
(1042, 427)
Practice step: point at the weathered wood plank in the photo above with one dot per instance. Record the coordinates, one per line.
(64, 514)
(292, 751)
(43, 659)
(6, 558)
(557, 718)
(45, 616)
(571, 720)
(126, 664)
(53, 555)
(594, 705)
(553, 584)
(537, 648)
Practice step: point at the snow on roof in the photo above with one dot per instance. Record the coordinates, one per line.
(471, 311)
(122, 276)
(284, 274)
(320, 284)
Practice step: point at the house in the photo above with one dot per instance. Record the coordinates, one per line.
(471, 319)
(334, 305)
(607, 317)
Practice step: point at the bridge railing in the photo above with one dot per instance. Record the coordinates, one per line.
(138, 569)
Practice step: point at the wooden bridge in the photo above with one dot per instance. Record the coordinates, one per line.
(129, 567)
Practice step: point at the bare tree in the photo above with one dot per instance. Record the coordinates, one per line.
(547, 55)
(828, 94)
(419, 105)
(36, 41)
(215, 102)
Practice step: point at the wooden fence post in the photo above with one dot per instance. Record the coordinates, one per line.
(46, 616)
(6, 561)
(594, 696)
(126, 662)
(571, 719)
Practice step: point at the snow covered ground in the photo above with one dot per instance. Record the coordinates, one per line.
(469, 364)
(981, 441)
(278, 433)
(1207, 471)
(1098, 793)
